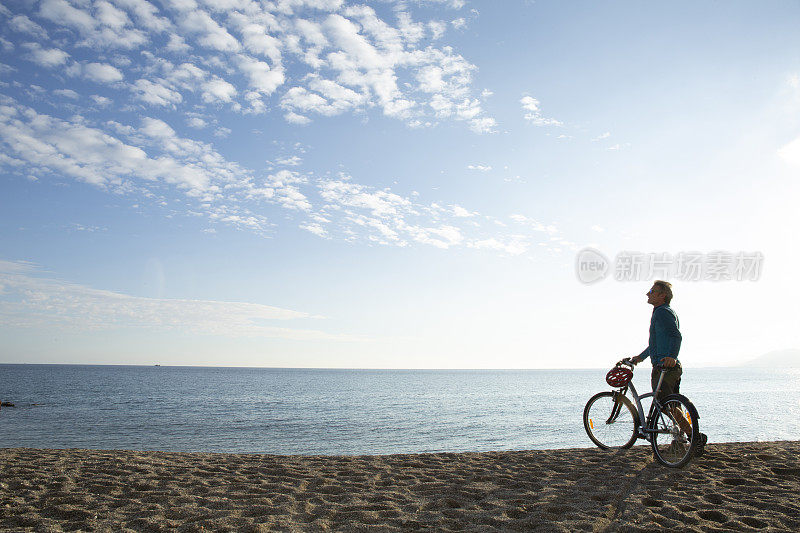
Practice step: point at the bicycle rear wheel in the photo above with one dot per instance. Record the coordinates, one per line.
(610, 420)
(676, 431)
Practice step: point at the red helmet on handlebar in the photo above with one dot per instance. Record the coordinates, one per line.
(619, 376)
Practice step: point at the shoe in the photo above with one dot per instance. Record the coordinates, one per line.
(700, 447)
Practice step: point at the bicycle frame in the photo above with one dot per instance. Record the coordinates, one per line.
(670, 425)
(644, 430)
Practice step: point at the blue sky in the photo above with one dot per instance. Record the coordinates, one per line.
(321, 183)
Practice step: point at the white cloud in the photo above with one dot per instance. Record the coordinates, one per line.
(261, 77)
(529, 103)
(460, 212)
(23, 24)
(349, 56)
(7, 46)
(294, 118)
(156, 93)
(152, 161)
(312, 33)
(314, 228)
(102, 73)
(350, 61)
(94, 156)
(30, 300)
(157, 129)
(46, 57)
(109, 15)
(602, 136)
(177, 45)
(534, 115)
(483, 125)
(66, 93)
(196, 122)
(211, 34)
(102, 101)
(356, 212)
(256, 37)
(345, 193)
(146, 14)
(61, 12)
(482, 168)
(218, 90)
(292, 161)
(437, 29)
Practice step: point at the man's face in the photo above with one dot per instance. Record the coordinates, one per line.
(656, 296)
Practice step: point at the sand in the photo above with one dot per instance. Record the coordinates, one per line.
(735, 487)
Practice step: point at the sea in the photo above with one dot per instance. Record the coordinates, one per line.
(357, 412)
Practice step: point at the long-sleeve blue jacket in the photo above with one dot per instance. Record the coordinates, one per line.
(665, 335)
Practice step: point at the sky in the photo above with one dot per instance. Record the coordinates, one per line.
(395, 184)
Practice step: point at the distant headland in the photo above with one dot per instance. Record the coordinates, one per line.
(780, 358)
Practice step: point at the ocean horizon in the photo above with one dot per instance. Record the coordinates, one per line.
(312, 411)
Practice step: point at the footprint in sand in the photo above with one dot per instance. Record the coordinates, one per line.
(714, 515)
(650, 502)
(754, 522)
(786, 471)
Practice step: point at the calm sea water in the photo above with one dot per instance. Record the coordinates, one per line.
(293, 411)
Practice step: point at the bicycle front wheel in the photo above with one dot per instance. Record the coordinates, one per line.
(610, 420)
(675, 431)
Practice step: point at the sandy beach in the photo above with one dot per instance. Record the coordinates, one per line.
(735, 487)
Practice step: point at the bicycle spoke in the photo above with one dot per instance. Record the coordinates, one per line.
(609, 421)
(673, 432)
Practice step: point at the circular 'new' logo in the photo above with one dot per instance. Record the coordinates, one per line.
(591, 266)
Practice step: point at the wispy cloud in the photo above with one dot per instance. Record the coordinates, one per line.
(310, 59)
(30, 300)
(533, 112)
(45, 57)
(150, 160)
(359, 213)
(302, 60)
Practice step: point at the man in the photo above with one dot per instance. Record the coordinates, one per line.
(663, 348)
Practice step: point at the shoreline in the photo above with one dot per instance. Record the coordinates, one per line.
(735, 486)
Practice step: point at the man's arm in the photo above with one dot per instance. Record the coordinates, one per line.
(641, 357)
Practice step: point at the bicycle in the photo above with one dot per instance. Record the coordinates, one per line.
(671, 426)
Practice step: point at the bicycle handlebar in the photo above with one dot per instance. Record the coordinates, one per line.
(627, 362)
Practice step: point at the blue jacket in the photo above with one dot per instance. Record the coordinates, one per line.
(665, 335)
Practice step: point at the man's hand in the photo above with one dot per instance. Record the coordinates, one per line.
(669, 362)
(635, 360)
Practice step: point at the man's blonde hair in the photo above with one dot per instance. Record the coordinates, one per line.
(664, 287)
